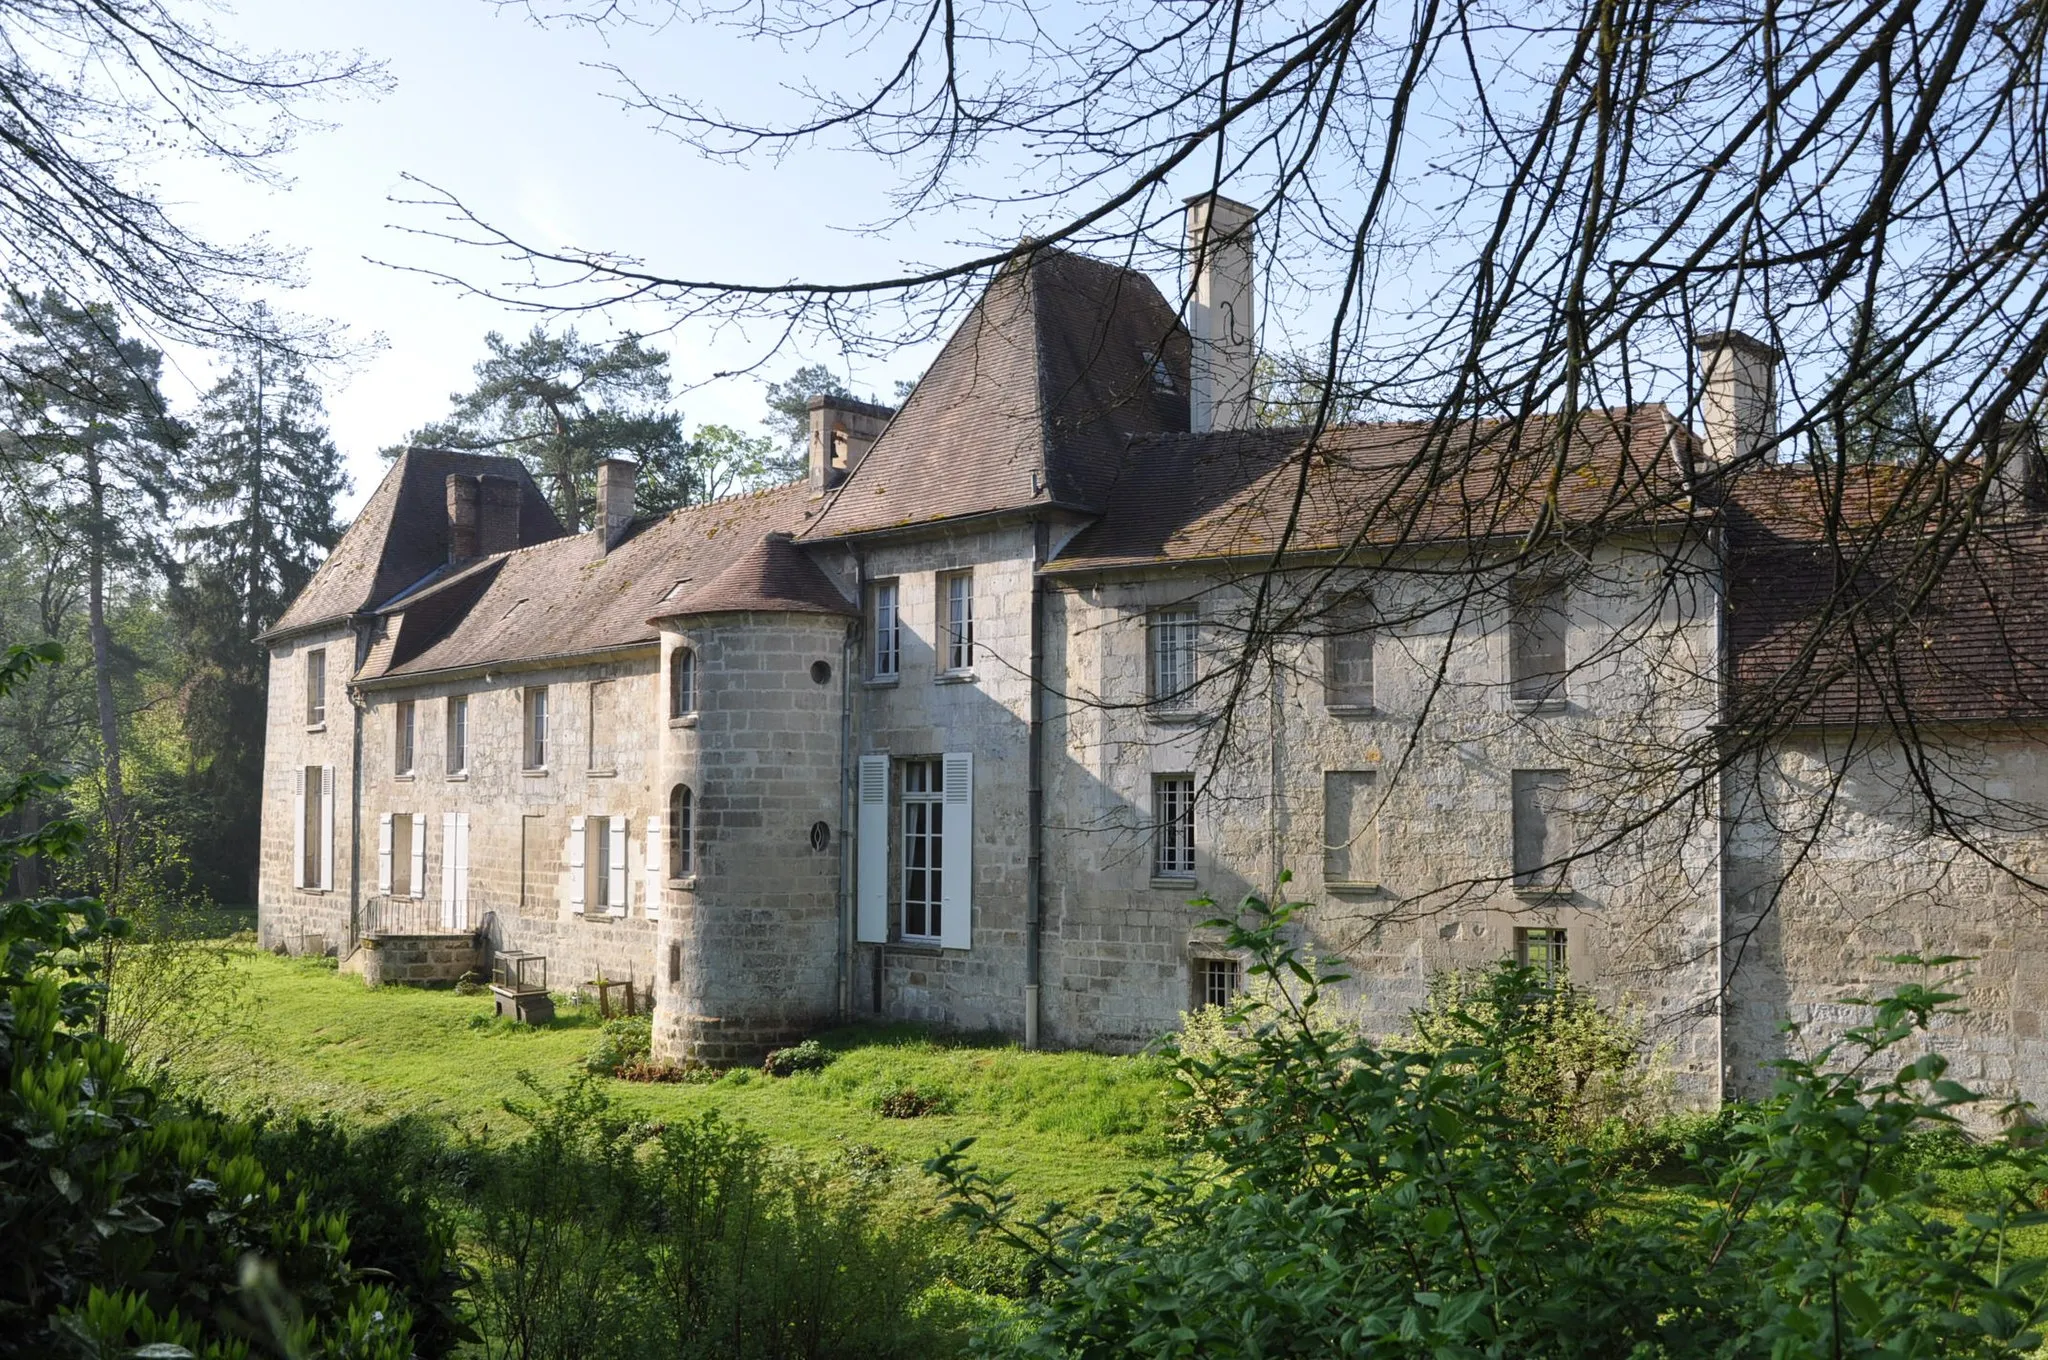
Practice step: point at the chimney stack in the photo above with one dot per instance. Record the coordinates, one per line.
(1219, 244)
(1738, 394)
(842, 432)
(2018, 471)
(498, 515)
(615, 499)
(462, 517)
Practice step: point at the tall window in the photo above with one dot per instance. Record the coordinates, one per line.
(924, 847)
(956, 598)
(1173, 826)
(601, 757)
(1543, 949)
(601, 861)
(316, 687)
(458, 733)
(402, 832)
(401, 756)
(310, 839)
(1536, 637)
(1170, 637)
(536, 725)
(1542, 830)
(1350, 842)
(682, 832)
(682, 682)
(885, 626)
(1347, 655)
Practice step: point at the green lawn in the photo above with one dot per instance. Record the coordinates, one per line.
(1072, 1126)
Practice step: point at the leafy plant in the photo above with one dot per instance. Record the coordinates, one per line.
(808, 1056)
(625, 1041)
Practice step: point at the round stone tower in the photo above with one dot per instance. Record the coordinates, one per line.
(749, 786)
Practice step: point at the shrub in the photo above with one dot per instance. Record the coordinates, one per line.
(623, 1042)
(909, 1103)
(808, 1056)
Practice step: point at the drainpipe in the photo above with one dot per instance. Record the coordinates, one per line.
(849, 659)
(356, 705)
(1034, 870)
(1718, 545)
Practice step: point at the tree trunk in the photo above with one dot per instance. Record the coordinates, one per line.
(103, 663)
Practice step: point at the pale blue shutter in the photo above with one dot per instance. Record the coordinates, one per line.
(871, 849)
(956, 887)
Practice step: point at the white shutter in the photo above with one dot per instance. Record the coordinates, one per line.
(448, 848)
(956, 884)
(326, 828)
(576, 864)
(419, 856)
(871, 849)
(462, 871)
(616, 895)
(299, 827)
(654, 868)
(384, 853)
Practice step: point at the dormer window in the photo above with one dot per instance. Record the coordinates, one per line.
(1162, 372)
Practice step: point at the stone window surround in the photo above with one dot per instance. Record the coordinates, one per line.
(955, 635)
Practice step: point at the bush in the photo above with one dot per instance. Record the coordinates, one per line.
(808, 1056)
(1389, 1201)
(909, 1103)
(623, 1042)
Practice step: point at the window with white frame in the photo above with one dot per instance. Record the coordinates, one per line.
(1542, 829)
(403, 738)
(314, 836)
(604, 864)
(601, 861)
(1536, 642)
(535, 722)
(885, 626)
(601, 725)
(1543, 949)
(316, 687)
(1348, 655)
(403, 856)
(682, 832)
(1170, 638)
(1173, 826)
(682, 682)
(956, 604)
(1217, 981)
(924, 847)
(458, 734)
(1350, 839)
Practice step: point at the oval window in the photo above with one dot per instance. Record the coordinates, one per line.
(821, 835)
(821, 671)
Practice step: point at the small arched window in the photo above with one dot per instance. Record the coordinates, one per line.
(682, 683)
(682, 832)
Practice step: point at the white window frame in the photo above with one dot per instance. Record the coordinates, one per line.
(458, 734)
(1209, 970)
(1173, 827)
(1546, 949)
(682, 682)
(535, 738)
(610, 890)
(405, 753)
(885, 619)
(316, 687)
(956, 610)
(1172, 636)
(922, 807)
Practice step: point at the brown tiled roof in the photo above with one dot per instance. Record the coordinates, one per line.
(1231, 493)
(570, 598)
(401, 536)
(772, 575)
(1846, 608)
(1030, 402)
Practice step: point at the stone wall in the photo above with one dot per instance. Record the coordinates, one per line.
(419, 960)
(286, 914)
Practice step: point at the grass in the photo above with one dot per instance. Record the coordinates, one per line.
(1069, 1126)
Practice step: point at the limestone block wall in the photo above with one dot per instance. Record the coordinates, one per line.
(419, 960)
(292, 744)
(521, 893)
(1441, 743)
(1836, 861)
(751, 939)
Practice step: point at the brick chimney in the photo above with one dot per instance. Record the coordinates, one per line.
(842, 432)
(1219, 244)
(498, 515)
(463, 495)
(615, 499)
(1738, 394)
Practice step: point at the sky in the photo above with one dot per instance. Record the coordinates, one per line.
(512, 117)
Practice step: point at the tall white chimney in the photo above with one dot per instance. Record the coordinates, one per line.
(1220, 313)
(1738, 394)
(615, 499)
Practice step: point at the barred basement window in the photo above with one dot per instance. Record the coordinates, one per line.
(1170, 638)
(1173, 822)
(1542, 949)
(1217, 981)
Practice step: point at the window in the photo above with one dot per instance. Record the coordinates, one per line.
(313, 831)
(1350, 842)
(682, 683)
(675, 961)
(1162, 373)
(956, 598)
(886, 627)
(601, 705)
(536, 727)
(1542, 830)
(1542, 949)
(1217, 982)
(924, 847)
(458, 734)
(539, 856)
(401, 757)
(1347, 655)
(1173, 823)
(403, 857)
(1170, 637)
(316, 687)
(682, 832)
(601, 861)
(1536, 636)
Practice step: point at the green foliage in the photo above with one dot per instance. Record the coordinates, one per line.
(694, 1240)
(1374, 1200)
(624, 1041)
(808, 1056)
